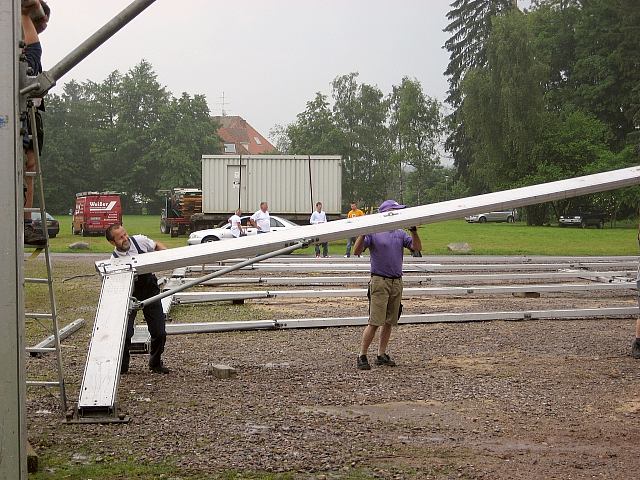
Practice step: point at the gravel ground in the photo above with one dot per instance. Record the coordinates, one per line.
(534, 399)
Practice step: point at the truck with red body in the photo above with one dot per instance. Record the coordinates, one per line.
(95, 211)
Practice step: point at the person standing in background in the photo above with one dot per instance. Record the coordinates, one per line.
(318, 216)
(354, 212)
(261, 219)
(236, 226)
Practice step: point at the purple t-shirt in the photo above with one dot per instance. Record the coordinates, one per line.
(387, 251)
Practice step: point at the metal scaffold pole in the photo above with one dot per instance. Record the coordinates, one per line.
(13, 436)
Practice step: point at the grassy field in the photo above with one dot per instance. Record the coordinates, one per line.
(484, 239)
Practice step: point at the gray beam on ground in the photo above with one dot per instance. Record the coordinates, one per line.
(454, 259)
(196, 297)
(63, 333)
(568, 314)
(13, 430)
(379, 222)
(427, 268)
(422, 280)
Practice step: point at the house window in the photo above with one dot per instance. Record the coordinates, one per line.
(229, 148)
(257, 140)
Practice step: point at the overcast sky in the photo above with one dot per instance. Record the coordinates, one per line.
(269, 57)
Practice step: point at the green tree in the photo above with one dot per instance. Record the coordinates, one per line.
(416, 127)
(314, 132)
(361, 113)
(503, 107)
(185, 131)
(470, 23)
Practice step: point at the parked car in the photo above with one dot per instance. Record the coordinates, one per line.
(53, 227)
(508, 216)
(224, 232)
(583, 219)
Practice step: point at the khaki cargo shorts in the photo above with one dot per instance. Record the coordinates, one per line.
(385, 295)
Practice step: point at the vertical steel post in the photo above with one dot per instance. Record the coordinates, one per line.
(13, 436)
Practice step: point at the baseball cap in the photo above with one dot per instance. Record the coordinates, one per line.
(389, 205)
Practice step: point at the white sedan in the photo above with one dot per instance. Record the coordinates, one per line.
(224, 233)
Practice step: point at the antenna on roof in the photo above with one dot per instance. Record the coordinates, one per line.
(224, 112)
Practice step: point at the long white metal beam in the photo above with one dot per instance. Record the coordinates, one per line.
(427, 267)
(340, 229)
(565, 314)
(197, 297)
(425, 279)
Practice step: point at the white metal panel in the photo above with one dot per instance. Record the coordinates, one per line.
(13, 426)
(281, 180)
(102, 371)
(340, 229)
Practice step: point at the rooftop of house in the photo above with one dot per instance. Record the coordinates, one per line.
(241, 138)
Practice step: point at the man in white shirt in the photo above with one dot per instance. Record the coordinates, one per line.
(261, 219)
(318, 216)
(145, 286)
(236, 226)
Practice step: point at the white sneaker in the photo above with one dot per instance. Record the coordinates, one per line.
(346, 256)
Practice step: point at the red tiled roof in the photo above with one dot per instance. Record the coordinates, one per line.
(248, 141)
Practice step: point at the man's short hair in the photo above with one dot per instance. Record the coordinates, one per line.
(319, 204)
(109, 231)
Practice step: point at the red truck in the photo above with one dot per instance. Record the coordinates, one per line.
(95, 211)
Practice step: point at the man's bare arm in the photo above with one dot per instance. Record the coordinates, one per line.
(359, 245)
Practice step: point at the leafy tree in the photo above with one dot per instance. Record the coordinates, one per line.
(126, 134)
(503, 106)
(360, 113)
(314, 132)
(470, 26)
(416, 128)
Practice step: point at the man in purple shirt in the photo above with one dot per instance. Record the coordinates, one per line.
(385, 286)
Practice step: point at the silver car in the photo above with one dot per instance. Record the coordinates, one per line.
(224, 233)
(508, 216)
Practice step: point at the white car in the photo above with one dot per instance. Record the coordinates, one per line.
(508, 216)
(224, 233)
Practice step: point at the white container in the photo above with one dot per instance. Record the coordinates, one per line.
(291, 184)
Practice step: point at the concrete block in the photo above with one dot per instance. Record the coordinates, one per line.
(462, 247)
(221, 371)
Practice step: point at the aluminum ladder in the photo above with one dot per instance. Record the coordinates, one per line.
(51, 316)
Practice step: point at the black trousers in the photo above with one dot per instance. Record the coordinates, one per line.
(146, 286)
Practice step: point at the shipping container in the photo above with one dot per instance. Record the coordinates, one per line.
(291, 184)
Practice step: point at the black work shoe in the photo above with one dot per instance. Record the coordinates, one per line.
(635, 349)
(33, 238)
(160, 369)
(385, 359)
(363, 363)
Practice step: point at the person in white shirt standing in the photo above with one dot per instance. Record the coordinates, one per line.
(261, 219)
(236, 226)
(318, 216)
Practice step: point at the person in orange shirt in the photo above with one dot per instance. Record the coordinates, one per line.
(354, 212)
